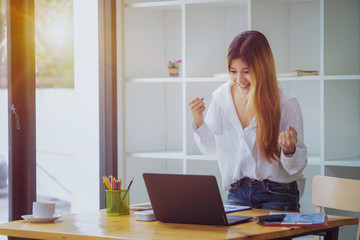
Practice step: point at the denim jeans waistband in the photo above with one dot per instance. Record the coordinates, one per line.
(265, 194)
(247, 179)
(264, 182)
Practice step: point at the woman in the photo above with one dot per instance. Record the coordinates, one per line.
(255, 128)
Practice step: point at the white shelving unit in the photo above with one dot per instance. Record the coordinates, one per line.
(321, 35)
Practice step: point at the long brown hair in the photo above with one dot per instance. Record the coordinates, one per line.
(253, 48)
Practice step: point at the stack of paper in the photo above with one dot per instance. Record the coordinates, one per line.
(141, 207)
(147, 215)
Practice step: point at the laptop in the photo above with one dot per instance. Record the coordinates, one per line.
(192, 199)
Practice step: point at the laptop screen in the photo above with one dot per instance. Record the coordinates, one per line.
(182, 198)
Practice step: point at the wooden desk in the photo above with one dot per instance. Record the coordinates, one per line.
(97, 225)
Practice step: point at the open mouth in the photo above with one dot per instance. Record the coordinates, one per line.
(245, 85)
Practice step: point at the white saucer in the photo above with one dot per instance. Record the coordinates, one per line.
(32, 219)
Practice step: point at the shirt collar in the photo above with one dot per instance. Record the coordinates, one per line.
(223, 98)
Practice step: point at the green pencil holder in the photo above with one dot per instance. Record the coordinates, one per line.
(117, 202)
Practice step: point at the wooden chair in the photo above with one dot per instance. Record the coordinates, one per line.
(337, 193)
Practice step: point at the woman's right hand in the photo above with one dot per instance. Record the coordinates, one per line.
(197, 108)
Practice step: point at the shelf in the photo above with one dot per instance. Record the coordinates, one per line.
(301, 78)
(314, 160)
(163, 5)
(294, 1)
(224, 79)
(169, 5)
(341, 77)
(208, 79)
(171, 155)
(320, 77)
(163, 22)
(177, 80)
(158, 155)
(155, 80)
(222, 3)
(349, 162)
(202, 157)
(303, 34)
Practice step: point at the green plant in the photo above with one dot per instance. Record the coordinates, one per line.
(175, 63)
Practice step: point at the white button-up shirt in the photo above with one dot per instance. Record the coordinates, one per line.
(222, 134)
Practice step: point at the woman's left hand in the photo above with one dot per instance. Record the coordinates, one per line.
(287, 140)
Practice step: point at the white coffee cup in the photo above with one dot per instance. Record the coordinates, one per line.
(43, 209)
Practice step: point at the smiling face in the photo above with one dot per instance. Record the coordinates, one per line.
(252, 70)
(240, 75)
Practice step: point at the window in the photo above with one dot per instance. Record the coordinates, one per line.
(3, 47)
(67, 108)
(54, 48)
(3, 119)
(67, 118)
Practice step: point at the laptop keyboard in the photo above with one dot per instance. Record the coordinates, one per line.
(236, 218)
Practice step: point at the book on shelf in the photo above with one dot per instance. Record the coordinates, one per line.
(298, 73)
(300, 219)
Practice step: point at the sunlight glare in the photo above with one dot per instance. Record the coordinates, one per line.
(57, 33)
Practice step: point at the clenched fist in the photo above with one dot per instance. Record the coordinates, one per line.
(197, 107)
(287, 140)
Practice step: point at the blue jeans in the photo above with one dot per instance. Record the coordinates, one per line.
(264, 194)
